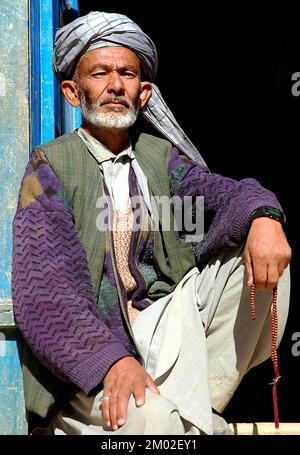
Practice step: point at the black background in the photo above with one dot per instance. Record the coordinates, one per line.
(226, 73)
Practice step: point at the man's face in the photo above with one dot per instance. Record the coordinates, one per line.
(109, 87)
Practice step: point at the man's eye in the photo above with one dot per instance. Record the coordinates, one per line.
(99, 74)
(129, 74)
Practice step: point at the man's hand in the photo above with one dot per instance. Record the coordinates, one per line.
(267, 253)
(125, 377)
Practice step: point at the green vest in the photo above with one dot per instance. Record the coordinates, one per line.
(82, 179)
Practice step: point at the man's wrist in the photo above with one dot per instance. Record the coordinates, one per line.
(269, 212)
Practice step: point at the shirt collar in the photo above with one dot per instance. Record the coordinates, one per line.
(100, 152)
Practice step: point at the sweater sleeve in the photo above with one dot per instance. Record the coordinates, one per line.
(227, 201)
(54, 304)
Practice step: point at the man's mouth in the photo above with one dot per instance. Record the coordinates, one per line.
(115, 103)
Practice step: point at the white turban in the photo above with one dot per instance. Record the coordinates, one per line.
(99, 29)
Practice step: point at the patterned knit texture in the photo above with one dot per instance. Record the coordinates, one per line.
(54, 304)
(122, 230)
(76, 337)
(134, 270)
(228, 202)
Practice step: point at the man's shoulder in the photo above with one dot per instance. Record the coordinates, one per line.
(65, 151)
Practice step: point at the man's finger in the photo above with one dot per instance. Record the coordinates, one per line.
(113, 402)
(151, 385)
(273, 276)
(260, 275)
(281, 268)
(139, 388)
(104, 406)
(249, 270)
(122, 406)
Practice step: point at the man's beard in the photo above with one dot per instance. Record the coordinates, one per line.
(115, 119)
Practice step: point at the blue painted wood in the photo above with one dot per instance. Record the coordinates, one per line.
(69, 10)
(66, 117)
(16, 133)
(57, 93)
(35, 70)
(7, 319)
(14, 125)
(42, 76)
(71, 117)
(12, 412)
(14, 139)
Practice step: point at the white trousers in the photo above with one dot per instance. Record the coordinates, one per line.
(197, 344)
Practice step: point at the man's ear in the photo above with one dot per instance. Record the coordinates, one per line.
(145, 93)
(69, 89)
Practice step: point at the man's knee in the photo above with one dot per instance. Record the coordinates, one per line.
(155, 407)
(157, 416)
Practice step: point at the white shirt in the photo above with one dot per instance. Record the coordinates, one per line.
(114, 168)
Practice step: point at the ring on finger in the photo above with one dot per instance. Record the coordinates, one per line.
(104, 399)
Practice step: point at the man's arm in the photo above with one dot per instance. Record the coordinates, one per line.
(267, 253)
(53, 298)
(231, 203)
(54, 304)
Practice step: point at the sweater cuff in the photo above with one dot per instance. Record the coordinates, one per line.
(89, 374)
(243, 221)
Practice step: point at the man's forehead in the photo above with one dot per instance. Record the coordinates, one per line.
(108, 55)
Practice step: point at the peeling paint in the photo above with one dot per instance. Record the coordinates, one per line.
(2, 85)
(14, 124)
(14, 140)
(12, 415)
(2, 344)
(12, 205)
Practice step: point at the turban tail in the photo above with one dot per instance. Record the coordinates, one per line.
(99, 29)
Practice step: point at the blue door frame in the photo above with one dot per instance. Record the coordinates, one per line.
(32, 112)
(51, 115)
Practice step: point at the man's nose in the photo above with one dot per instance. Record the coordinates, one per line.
(115, 83)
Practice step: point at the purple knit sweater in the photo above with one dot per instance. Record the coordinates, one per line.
(52, 292)
(228, 201)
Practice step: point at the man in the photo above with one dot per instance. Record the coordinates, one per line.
(123, 333)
